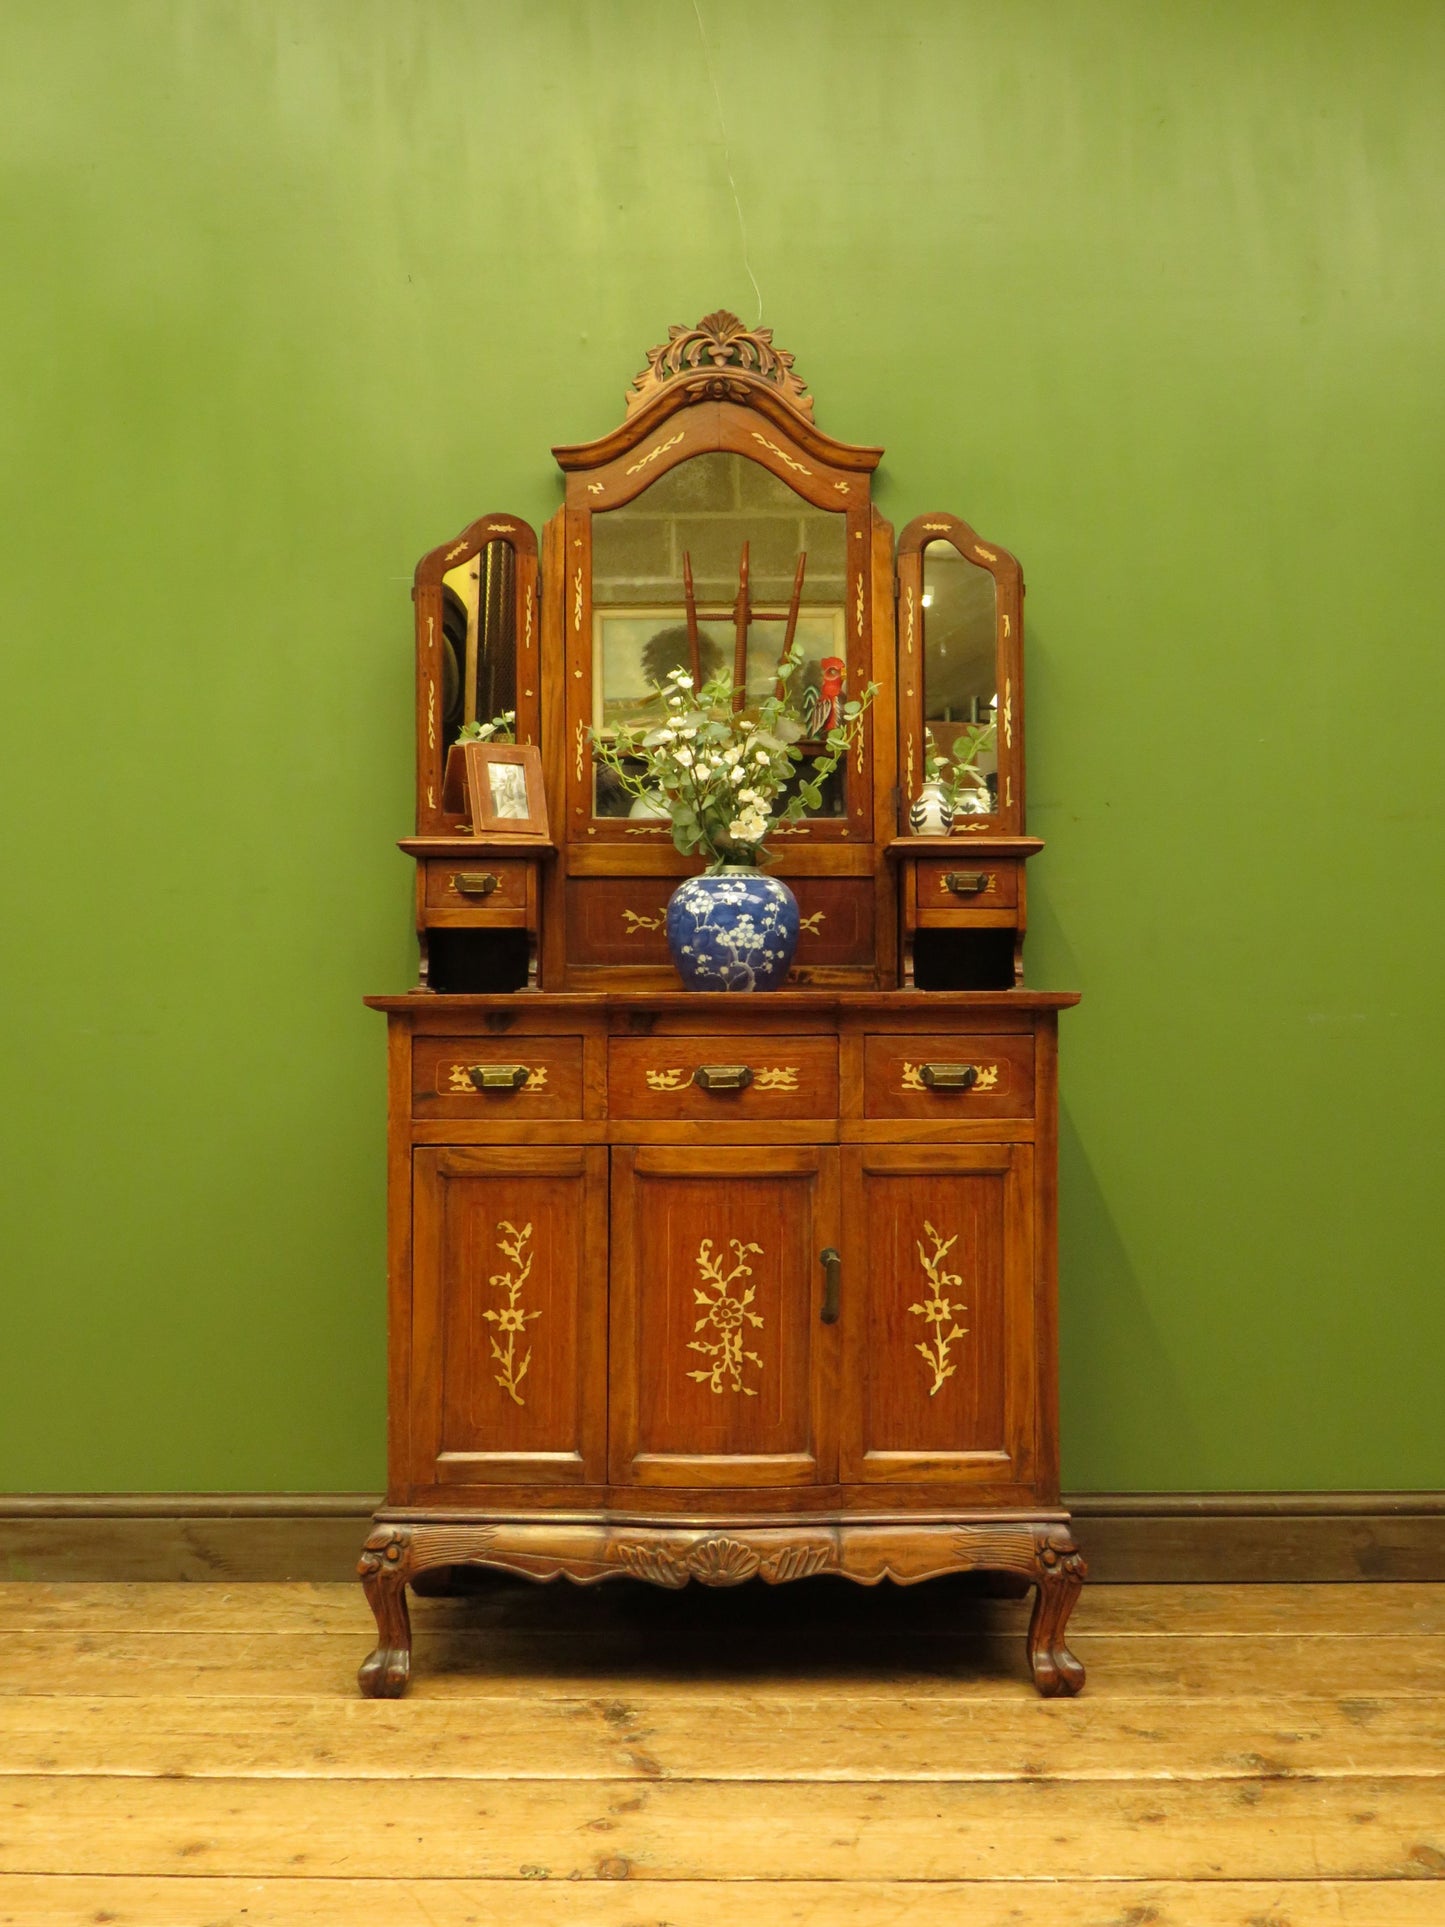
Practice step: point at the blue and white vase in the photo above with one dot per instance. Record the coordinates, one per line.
(734, 930)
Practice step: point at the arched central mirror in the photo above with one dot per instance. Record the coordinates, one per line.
(708, 571)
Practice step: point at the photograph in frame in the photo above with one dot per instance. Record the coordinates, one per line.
(504, 789)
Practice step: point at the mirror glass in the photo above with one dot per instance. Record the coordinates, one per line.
(701, 514)
(479, 638)
(960, 665)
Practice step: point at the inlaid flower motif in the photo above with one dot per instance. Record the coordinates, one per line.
(938, 1308)
(512, 1319)
(726, 1312)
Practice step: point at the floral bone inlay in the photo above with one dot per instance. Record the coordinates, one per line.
(635, 922)
(653, 453)
(987, 1079)
(938, 1309)
(459, 1078)
(813, 923)
(783, 456)
(726, 1315)
(512, 1320)
(668, 1080)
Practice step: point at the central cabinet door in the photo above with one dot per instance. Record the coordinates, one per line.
(721, 1372)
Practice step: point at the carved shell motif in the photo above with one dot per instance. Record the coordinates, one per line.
(718, 1561)
(718, 343)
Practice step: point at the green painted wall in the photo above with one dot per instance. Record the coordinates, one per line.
(1150, 292)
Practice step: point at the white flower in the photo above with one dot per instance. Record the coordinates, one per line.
(760, 756)
(735, 776)
(683, 759)
(749, 796)
(681, 678)
(732, 753)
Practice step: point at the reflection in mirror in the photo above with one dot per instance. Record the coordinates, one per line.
(701, 514)
(960, 662)
(479, 638)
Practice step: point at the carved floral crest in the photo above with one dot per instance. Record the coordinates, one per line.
(704, 357)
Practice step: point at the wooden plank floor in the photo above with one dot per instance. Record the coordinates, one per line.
(196, 1756)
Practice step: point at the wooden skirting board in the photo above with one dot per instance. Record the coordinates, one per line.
(1213, 1538)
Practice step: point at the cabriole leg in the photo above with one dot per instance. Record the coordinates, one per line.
(385, 1562)
(1062, 1573)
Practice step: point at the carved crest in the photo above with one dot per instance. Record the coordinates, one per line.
(708, 356)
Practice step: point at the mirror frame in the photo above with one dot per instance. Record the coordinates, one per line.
(940, 526)
(670, 428)
(431, 818)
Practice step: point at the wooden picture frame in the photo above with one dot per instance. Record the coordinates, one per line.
(503, 803)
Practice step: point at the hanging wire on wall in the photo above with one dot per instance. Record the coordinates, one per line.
(727, 158)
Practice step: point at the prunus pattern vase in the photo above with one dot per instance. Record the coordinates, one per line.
(735, 930)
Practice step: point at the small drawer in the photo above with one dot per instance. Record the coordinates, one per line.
(486, 885)
(517, 1077)
(947, 885)
(679, 1079)
(929, 1076)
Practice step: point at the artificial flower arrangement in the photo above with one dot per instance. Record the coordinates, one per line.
(719, 768)
(501, 729)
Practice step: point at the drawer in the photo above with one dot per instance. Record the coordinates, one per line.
(623, 920)
(897, 1071)
(710, 1079)
(482, 887)
(948, 886)
(442, 1084)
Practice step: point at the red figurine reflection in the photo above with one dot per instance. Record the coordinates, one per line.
(823, 708)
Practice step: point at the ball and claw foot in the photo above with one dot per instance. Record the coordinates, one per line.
(384, 1673)
(1062, 1572)
(383, 1571)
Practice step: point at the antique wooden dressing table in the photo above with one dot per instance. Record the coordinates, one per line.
(708, 1286)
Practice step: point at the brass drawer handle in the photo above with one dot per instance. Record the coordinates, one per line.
(950, 1077)
(832, 1265)
(499, 1077)
(474, 883)
(723, 1077)
(967, 883)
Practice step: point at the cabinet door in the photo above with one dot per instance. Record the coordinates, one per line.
(721, 1372)
(939, 1367)
(508, 1370)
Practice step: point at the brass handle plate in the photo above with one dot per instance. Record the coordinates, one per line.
(499, 1077)
(832, 1264)
(950, 1077)
(475, 883)
(967, 883)
(723, 1077)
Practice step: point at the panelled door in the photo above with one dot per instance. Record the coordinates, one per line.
(509, 1307)
(939, 1366)
(722, 1370)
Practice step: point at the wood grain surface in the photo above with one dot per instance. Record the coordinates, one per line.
(808, 1754)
